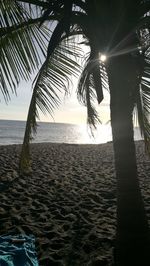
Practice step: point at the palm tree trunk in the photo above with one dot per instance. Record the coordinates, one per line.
(132, 239)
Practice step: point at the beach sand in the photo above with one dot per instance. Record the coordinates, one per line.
(68, 202)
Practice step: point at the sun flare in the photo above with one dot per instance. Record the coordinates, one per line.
(103, 57)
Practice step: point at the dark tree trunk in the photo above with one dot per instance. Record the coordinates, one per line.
(132, 240)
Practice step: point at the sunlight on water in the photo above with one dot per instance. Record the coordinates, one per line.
(12, 132)
(69, 133)
(101, 135)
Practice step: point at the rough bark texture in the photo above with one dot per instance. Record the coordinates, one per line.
(132, 240)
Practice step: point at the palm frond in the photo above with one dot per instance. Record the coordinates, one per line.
(92, 114)
(86, 93)
(92, 82)
(143, 102)
(53, 80)
(23, 45)
(144, 8)
(11, 13)
(43, 4)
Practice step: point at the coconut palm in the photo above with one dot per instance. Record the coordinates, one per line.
(120, 30)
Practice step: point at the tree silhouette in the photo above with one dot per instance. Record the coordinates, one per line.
(118, 29)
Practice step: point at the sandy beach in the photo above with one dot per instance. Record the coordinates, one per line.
(68, 202)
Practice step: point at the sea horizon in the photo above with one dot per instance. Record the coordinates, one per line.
(12, 132)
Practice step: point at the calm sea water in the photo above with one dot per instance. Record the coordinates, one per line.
(12, 132)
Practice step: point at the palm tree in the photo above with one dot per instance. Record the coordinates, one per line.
(110, 28)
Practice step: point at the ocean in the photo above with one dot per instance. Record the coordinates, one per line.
(12, 132)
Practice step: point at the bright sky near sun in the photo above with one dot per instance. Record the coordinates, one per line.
(70, 111)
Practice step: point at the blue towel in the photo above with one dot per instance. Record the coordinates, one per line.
(18, 250)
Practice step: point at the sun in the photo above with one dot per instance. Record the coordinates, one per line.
(103, 57)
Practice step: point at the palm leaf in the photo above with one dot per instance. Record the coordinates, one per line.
(52, 80)
(92, 115)
(143, 96)
(145, 102)
(144, 8)
(91, 84)
(22, 45)
(43, 4)
(86, 93)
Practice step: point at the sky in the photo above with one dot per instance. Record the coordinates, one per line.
(70, 111)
